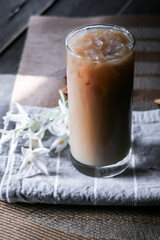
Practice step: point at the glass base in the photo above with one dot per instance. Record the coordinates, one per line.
(102, 171)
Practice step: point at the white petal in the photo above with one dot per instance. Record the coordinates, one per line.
(57, 130)
(62, 97)
(68, 132)
(58, 145)
(61, 147)
(52, 130)
(40, 134)
(38, 152)
(40, 143)
(34, 143)
(14, 118)
(26, 151)
(3, 131)
(24, 165)
(5, 138)
(41, 166)
(55, 144)
(21, 109)
(13, 147)
(63, 108)
(58, 126)
(63, 131)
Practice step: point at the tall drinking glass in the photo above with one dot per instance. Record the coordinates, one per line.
(100, 69)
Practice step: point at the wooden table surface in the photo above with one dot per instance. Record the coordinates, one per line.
(40, 221)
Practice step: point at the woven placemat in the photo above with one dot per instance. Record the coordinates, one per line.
(25, 221)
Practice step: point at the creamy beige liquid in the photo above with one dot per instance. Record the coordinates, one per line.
(100, 67)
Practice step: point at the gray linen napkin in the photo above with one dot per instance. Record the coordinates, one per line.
(138, 185)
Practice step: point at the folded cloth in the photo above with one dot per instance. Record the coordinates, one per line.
(138, 185)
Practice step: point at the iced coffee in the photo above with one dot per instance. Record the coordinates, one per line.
(100, 67)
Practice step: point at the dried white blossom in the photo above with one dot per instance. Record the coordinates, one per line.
(34, 157)
(60, 143)
(32, 129)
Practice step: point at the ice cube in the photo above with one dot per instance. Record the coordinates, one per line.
(98, 41)
(108, 50)
(89, 41)
(92, 53)
(116, 45)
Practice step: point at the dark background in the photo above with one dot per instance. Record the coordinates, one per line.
(9, 59)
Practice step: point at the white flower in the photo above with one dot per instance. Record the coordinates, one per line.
(7, 136)
(60, 125)
(34, 157)
(60, 143)
(32, 128)
(21, 117)
(24, 124)
(34, 139)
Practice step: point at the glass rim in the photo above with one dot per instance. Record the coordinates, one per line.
(100, 26)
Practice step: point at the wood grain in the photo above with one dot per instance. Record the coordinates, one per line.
(43, 64)
(15, 15)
